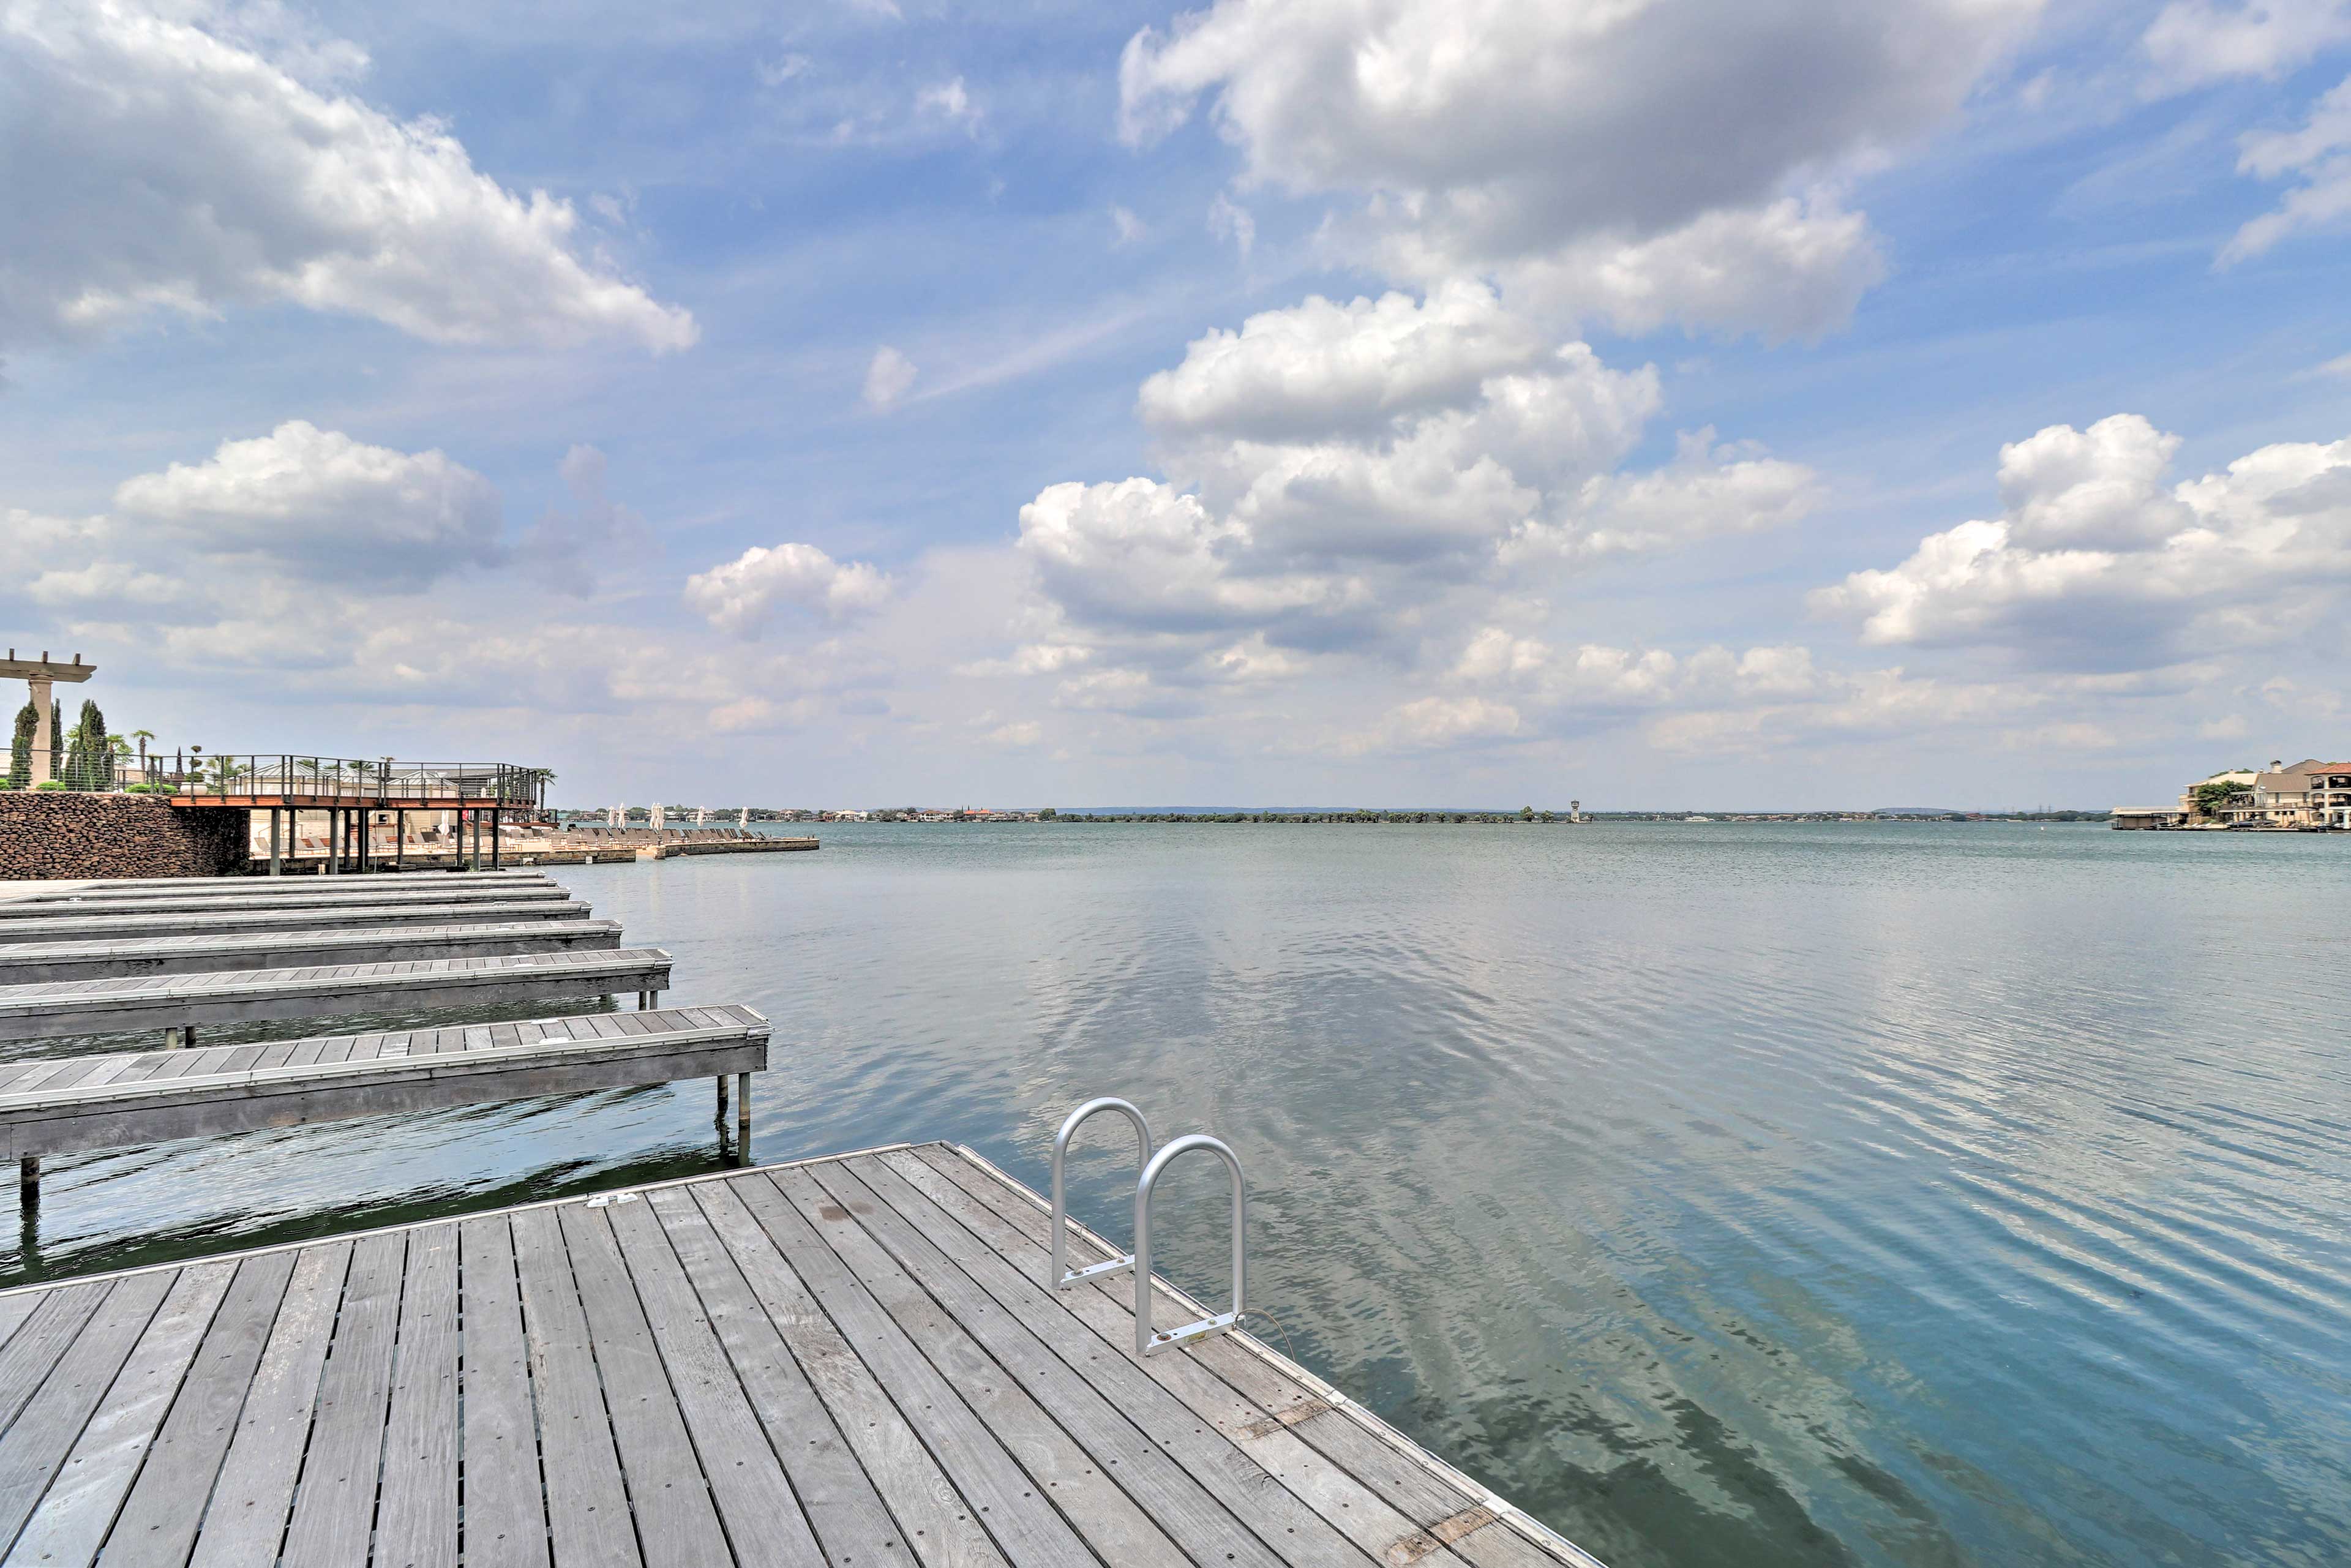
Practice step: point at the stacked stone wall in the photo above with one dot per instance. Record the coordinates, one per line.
(62, 834)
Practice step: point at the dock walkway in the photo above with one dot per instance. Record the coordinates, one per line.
(35, 963)
(61, 1104)
(231, 922)
(179, 1002)
(179, 886)
(327, 894)
(847, 1363)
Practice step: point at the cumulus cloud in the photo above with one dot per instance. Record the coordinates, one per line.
(154, 166)
(2195, 41)
(2320, 153)
(890, 377)
(1322, 367)
(743, 596)
(318, 504)
(1635, 146)
(1339, 473)
(2095, 564)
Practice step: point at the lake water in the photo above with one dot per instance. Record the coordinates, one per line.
(1743, 1195)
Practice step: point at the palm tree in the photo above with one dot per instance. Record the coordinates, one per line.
(142, 736)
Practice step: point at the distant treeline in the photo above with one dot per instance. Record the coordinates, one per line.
(1527, 815)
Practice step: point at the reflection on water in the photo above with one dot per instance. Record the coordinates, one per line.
(1863, 1194)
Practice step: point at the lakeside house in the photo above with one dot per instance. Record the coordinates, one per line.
(2308, 794)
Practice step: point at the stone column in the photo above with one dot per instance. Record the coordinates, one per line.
(42, 737)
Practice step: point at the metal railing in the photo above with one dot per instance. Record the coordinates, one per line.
(1060, 1277)
(236, 775)
(1147, 1342)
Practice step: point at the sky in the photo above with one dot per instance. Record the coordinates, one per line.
(1736, 403)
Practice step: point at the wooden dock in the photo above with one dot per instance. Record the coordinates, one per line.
(181, 1002)
(38, 963)
(56, 1104)
(179, 886)
(327, 894)
(232, 921)
(848, 1361)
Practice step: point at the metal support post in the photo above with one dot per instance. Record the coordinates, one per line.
(497, 819)
(399, 839)
(276, 865)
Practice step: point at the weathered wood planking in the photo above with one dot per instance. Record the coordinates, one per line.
(242, 996)
(251, 922)
(843, 1362)
(38, 963)
(358, 894)
(182, 886)
(63, 1104)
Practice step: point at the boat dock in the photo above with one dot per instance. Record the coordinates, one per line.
(56, 1104)
(847, 1361)
(30, 963)
(230, 922)
(238, 897)
(182, 1002)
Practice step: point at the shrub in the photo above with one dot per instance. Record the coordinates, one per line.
(50, 784)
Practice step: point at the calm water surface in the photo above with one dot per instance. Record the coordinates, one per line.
(1865, 1194)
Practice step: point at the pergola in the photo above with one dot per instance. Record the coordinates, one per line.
(39, 675)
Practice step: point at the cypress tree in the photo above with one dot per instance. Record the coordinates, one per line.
(20, 748)
(57, 739)
(91, 764)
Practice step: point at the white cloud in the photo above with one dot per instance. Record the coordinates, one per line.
(1632, 150)
(1437, 723)
(1125, 227)
(781, 69)
(1790, 268)
(890, 377)
(156, 166)
(1708, 491)
(2095, 565)
(318, 504)
(2195, 41)
(2320, 151)
(951, 101)
(1320, 367)
(1341, 476)
(743, 595)
(1228, 219)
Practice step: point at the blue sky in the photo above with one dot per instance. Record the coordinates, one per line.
(1811, 404)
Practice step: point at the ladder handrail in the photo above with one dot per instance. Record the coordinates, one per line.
(1147, 1342)
(1059, 1276)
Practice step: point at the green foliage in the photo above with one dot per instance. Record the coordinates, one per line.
(1048, 815)
(89, 759)
(57, 739)
(50, 784)
(2212, 797)
(20, 751)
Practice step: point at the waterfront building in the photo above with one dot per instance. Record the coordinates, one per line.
(2238, 806)
(2310, 793)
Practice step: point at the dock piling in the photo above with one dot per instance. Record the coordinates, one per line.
(28, 1180)
(742, 1117)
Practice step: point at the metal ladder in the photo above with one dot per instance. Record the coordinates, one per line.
(1149, 1340)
